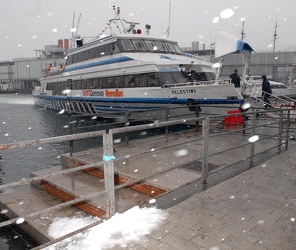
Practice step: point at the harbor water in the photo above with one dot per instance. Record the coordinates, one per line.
(21, 120)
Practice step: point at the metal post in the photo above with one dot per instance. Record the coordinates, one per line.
(71, 132)
(280, 130)
(109, 173)
(287, 129)
(167, 114)
(197, 115)
(252, 145)
(205, 133)
(126, 124)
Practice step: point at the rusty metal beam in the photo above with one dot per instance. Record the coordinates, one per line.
(56, 139)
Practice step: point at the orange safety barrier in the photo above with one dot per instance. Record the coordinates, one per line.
(233, 120)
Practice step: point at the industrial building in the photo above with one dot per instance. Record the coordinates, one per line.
(278, 66)
(22, 74)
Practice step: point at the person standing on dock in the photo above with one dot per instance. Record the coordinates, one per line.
(235, 79)
(266, 91)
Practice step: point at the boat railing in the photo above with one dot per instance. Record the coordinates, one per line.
(52, 71)
(190, 83)
(254, 91)
(194, 57)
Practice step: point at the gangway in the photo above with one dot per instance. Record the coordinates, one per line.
(277, 100)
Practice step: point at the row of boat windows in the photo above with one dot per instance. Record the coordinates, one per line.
(125, 45)
(76, 107)
(130, 81)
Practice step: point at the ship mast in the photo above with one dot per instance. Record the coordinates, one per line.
(74, 31)
(275, 37)
(243, 30)
(167, 33)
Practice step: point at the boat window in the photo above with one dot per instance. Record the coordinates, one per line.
(62, 86)
(111, 82)
(49, 86)
(75, 58)
(153, 80)
(95, 83)
(107, 49)
(115, 48)
(70, 60)
(127, 45)
(85, 55)
(91, 53)
(103, 50)
(171, 78)
(103, 82)
(170, 47)
(161, 46)
(79, 56)
(127, 81)
(165, 78)
(142, 80)
(83, 84)
(177, 48)
(210, 76)
(119, 80)
(89, 84)
(76, 84)
(139, 45)
(178, 77)
(194, 76)
(97, 52)
(151, 45)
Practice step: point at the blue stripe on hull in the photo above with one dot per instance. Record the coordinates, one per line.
(141, 100)
(100, 63)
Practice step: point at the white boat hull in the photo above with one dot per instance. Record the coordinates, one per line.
(116, 102)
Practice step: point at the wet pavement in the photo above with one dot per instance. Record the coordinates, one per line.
(253, 210)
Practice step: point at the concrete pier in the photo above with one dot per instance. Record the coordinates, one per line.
(255, 209)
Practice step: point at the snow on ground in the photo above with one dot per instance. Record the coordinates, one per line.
(120, 230)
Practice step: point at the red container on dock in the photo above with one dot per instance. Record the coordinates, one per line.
(233, 120)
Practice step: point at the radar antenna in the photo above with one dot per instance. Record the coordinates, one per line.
(117, 19)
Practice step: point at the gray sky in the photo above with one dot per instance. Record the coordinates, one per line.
(28, 25)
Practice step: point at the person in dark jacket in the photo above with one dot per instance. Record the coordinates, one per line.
(235, 79)
(266, 91)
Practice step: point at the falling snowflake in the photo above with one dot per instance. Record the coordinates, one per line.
(254, 138)
(20, 221)
(216, 20)
(226, 13)
(181, 152)
(260, 222)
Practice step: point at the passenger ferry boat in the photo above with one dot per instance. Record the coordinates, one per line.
(131, 71)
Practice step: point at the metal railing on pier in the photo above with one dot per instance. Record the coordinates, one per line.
(207, 133)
